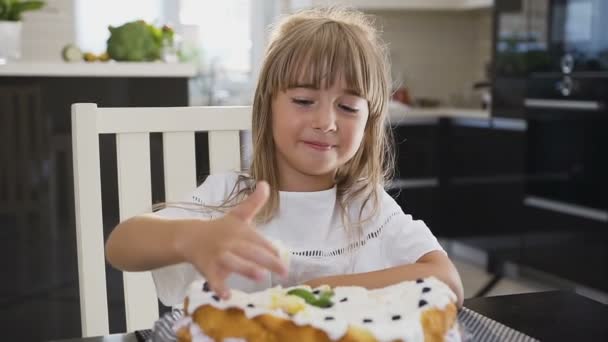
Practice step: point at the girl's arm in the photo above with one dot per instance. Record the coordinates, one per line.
(434, 263)
(147, 242)
(216, 248)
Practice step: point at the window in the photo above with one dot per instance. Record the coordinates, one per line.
(94, 16)
(224, 30)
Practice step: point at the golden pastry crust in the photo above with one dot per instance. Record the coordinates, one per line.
(219, 324)
(436, 323)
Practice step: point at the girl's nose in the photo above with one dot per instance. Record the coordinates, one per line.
(324, 120)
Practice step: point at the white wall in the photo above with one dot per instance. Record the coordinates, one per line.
(47, 31)
(438, 54)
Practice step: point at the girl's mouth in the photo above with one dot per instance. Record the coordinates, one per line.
(319, 146)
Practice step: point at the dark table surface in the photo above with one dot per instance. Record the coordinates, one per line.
(547, 316)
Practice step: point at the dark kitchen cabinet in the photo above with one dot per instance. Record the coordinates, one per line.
(416, 151)
(462, 176)
(416, 171)
(509, 55)
(37, 229)
(481, 182)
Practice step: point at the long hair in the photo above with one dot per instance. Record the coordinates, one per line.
(317, 47)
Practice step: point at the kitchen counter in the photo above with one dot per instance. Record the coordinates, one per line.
(466, 117)
(403, 116)
(96, 69)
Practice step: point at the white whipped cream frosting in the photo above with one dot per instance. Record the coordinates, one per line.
(388, 313)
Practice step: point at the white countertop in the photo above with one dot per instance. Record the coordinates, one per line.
(431, 115)
(471, 117)
(96, 69)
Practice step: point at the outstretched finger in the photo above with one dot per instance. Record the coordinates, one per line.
(261, 257)
(258, 239)
(250, 206)
(216, 278)
(234, 263)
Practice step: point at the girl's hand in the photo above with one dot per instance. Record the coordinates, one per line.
(230, 244)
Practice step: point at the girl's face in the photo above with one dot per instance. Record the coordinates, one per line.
(316, 131)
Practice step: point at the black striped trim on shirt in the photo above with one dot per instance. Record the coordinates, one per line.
(352, 246)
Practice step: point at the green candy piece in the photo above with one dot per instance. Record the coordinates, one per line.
(326, 294)
(323, 302)
(304, 294)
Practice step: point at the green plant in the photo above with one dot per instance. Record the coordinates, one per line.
(137, 41)
(11, 10)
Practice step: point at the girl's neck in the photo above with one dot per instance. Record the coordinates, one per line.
(299, 182)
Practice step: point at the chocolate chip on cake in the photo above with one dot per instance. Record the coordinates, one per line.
(217, 299)
(426, 289)
(396, 317)
(250, 305)
(329, 318)
(206, 287)
(367, 320)
(343, 300)
(419, 280)
(422, 303)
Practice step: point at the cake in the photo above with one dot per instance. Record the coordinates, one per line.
(420, 310)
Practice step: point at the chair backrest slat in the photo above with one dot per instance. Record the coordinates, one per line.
(132, 127)
(224, 151)
(134, 198)
(178, 119)
(179, 164)
(89, 223)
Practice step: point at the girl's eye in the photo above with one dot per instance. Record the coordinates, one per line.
(348, 108)
(302, 102)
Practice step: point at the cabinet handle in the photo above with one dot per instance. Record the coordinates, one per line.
(565, 86)
(567, 63)
(566, 208)
(563, 104)
(412, 183)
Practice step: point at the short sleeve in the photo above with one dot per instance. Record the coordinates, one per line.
(172, 281)
(405, 240)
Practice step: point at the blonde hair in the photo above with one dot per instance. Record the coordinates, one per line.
(317, 47)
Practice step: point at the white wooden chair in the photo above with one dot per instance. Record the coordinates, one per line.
(132, 127)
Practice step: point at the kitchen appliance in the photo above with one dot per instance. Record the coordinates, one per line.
(566, 108)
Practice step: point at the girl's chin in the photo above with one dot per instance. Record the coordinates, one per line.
(317, 169)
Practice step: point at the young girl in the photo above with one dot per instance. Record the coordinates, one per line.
(320, 160)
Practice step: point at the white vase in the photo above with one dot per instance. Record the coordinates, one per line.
(10, 40)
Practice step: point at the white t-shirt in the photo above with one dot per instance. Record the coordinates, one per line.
(309, 225)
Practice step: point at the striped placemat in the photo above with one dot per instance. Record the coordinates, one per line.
(476, 327)
(163, 328)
